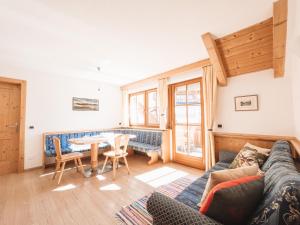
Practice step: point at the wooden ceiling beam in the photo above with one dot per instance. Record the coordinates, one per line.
(280, 12)
(171, 73)
(215, 58)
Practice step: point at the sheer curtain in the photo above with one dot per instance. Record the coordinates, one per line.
(210, 98)
(125, 108)
(163, 102)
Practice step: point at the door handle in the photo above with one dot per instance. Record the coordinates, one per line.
(12, 125)
(15, 125)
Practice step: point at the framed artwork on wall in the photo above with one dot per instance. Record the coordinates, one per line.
(246, 103)
(85, 104)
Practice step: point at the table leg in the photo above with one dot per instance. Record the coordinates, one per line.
(94, 157)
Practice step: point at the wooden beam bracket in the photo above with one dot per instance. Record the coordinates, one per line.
(280, 12)
(215, 58)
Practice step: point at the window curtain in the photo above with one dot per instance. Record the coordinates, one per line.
(125, 108)
(163, 102)
(210, 98)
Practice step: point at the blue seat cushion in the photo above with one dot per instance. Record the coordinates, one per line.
(142, 147)
(52, 153)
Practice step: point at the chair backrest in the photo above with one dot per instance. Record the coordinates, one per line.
(57, 147)
(121, 142)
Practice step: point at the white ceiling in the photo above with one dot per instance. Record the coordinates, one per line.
(130, 39)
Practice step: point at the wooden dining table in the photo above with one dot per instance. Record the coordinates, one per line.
(94, 141)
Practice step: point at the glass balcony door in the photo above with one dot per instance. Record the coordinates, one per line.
(187, 123)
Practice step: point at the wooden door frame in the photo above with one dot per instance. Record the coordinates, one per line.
(193, 162)
(23, 86)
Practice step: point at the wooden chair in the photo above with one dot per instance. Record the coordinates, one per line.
(119, 151)
(62, 159)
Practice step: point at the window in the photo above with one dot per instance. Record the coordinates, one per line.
(143, 108)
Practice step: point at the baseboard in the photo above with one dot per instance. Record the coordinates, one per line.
(33, 168)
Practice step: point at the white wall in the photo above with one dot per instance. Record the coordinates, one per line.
(275, 114)
(293, 59)
(49, 108)
(275, 105)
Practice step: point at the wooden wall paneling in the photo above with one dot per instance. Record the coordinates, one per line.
(248, 50)
(252, 46)
(280, 11)
(254, 33)
(250, 68)
(247, 64)
(258, 47)
(296, 146)
(234, 141)
(245, 31)
(215, 58)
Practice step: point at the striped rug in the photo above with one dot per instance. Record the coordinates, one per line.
(136, 213)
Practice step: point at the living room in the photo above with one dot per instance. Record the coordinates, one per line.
(123, 112)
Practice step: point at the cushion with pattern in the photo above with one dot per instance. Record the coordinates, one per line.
(248, 157)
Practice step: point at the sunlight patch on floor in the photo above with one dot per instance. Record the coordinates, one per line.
(161, 176)
(100, 177)
(65, 187)
(110, 187)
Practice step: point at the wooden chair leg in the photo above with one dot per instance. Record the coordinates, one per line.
(104, 164)
(56, 169)
(117, 166)
(80, 165)
(61, 172)
(114, 169)
(76, 164)
(126, 163)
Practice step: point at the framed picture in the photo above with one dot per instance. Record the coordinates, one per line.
(246, 103)
(85, 104)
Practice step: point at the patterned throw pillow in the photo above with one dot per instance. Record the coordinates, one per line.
(232, 202)
(265, 151)
(248, 157)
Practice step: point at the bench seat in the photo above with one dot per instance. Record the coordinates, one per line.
(145, 141)
(142, 147)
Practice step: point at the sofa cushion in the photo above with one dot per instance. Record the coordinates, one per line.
(218, 177)
(226, 156)
(248, 157)
(232, 202)
(167, 211)
(192, 194)
(265, 151)
(281, 200)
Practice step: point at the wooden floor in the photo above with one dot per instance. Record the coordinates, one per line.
(34, 198)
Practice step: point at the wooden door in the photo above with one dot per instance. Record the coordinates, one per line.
(10, 96)
(187, 123)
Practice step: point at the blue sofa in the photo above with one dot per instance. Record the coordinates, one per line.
(280, 204)
(146, 141)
